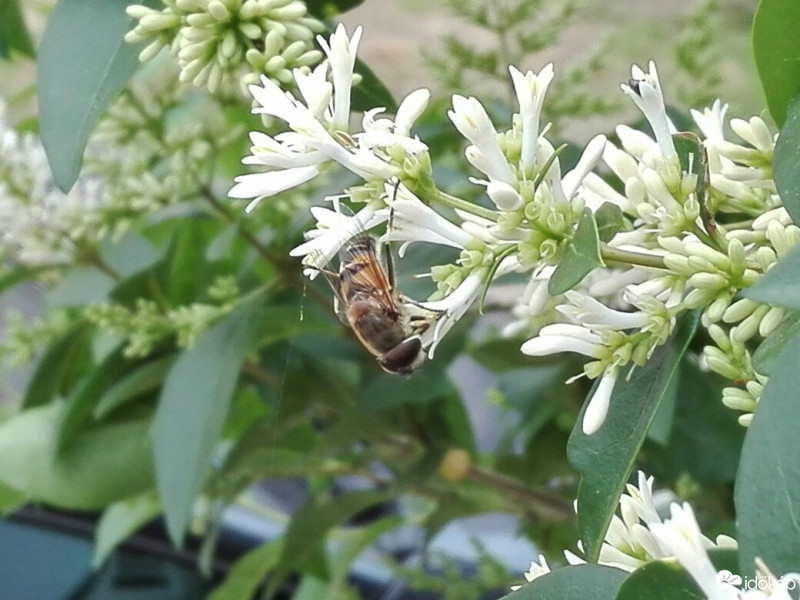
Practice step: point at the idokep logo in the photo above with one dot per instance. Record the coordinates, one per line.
(759, 582)
(726, 576)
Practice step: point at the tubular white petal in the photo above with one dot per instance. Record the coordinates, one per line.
(650, 101)
(589, 159)
(341, 52)
(452, 308)
(530, 89)
(472, 121)
(315, 89)
(680, 537)
(410, 109)
(544, 345)
(411, 214)
(597, 407)
(503, 195)
(262, 185)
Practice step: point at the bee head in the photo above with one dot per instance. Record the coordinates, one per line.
(405, 358)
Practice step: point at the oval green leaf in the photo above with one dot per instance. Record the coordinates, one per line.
(767, 493)
(605, 459)
(83, 64)
(773, 345)
(120, 520)
(191, 412)
(781, 284)
(581, 256)
(14, 34)
(248, 572)
(776, 49)
(786, 159)
(103, 464)
(304, 542)
(579, 582)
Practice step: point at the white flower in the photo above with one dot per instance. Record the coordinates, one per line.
(451, 308)
(711, 121)
(680, 537)
(598, 403)
(537, 569)
(333, 230)
(319, 132)
(589, 158)
(471, 120)
(645, 91)
(564, 337)
(415, 221)
(592, 314)
(341, 52)
(503, 195)
(530, 89)
(39, 224)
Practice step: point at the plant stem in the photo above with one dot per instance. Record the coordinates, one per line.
(271, 257)
(628, 257)
(548, 505)
(461, 204)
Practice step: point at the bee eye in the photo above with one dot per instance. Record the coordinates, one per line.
(404, 358)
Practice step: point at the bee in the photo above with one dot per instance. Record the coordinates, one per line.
(367, 300)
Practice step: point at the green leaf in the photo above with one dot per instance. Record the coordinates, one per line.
(371, 92)
(83, 64)
(706, 438)
(769, 349)
(776, 48)
(666, 580)
(605, 458)
(781, 284)
(767, 493)
(387, 391)
(58, 360)
(351, 544)
(248, 572)
(786, 158)
(581, 256)
(660, 580)
(102, 465)
(304, 541)
(87, 393)
(609, 221)
(10, 499)
(580, 582)
(192, 408)
(120, 520)
(144, 378)
(13, 31)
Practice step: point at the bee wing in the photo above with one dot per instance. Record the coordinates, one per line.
(316, 260)
(368, 270)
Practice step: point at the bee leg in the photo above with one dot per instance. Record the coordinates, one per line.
(407, 300)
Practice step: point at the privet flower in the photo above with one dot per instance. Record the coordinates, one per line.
(639, 535)
(223, 45)
(39, 224)
(319, 133)
(669, 257)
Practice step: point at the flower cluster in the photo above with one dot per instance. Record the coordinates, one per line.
(39, 224)
(639, 535)
(223, 45)
(148, 324)
(696, 219)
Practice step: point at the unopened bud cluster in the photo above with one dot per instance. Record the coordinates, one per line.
(223, 45)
